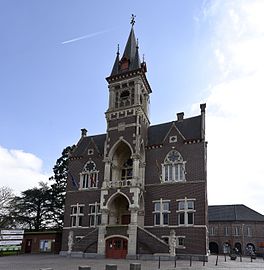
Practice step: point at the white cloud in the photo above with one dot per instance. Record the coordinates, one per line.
(235, 128)
(20, 170)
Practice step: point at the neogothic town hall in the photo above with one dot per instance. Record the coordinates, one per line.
(139, 188)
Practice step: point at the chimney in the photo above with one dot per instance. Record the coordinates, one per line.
(202, 107)
(84, 132)
(180, 116)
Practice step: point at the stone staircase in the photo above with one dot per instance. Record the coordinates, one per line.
(88, 243)
(149, 243)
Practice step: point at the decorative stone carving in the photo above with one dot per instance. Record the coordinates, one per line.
(172, 243)
(70, 241)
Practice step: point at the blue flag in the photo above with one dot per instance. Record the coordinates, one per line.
(73, 181)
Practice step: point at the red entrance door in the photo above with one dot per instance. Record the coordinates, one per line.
(116, 248)
(28, 246)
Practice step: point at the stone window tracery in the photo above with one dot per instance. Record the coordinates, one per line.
(89, 176)
(173, 168)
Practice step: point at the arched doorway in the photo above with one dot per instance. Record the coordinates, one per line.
(119, 213)
(226, 248)
(213, 246)
(116, 248)
(238, 247)
(250, 249)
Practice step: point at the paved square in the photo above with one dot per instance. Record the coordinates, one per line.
(56, 262)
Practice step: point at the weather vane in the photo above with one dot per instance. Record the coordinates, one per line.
(132, 22)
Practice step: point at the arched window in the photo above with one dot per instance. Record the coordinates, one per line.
(89, 176)
(127, 170)
(173, 168)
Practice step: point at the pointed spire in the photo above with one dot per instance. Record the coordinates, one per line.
(115, 68)
(130, 60)
(130, 49)
(136, 63)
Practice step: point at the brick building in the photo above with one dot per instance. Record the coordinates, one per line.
(129, 188)
(235, 226)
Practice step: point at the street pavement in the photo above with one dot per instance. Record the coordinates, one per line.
(56, 262)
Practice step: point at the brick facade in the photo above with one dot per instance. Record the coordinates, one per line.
(137, 182)
(235, 226)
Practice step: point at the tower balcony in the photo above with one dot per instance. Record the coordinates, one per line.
(124, 183)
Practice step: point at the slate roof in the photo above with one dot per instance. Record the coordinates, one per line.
(235, 212)
(190, 128)
(82, 146)
(130, 53)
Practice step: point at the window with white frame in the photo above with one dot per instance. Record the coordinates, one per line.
(248, 231)
(94, 214)
(173, 168)
(89, 176)
(226, 231)
(77, 215)
(186, 212)
(212, 231)
(236, 231)
(161, 212)
(181, 241)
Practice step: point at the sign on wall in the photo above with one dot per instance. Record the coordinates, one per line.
(11, 239)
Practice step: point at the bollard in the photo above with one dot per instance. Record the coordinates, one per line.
(190, 261)
(84, 267)
(240, 258)
(204, 261)
(216, 262)
(135, 266)
(225, 257)
(251, 259)
(111, 267)
(175, 261)
(159, 263)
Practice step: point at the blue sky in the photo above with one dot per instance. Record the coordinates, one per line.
(196, 51)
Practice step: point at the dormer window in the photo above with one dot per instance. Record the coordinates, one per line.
(173, 168)
(89, 176)
(124, 64)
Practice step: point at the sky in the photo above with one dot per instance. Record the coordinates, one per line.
(55, 56)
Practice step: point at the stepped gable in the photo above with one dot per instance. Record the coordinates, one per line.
(236, 212)
(190, 128)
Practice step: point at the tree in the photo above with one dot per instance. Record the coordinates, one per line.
(58, 188)
(31, 209)
(6, 196)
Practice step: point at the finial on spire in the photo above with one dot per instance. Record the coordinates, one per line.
(143, 58)
(132, 22)
(117, 49)
(137, 43)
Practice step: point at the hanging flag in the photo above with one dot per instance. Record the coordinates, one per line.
(73, 181)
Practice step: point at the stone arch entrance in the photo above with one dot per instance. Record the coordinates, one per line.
(116, 247)
(118, 207)
(214, 249)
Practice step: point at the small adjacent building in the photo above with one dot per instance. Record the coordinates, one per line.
(235, 226)
(131, 188)
(42, 242)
